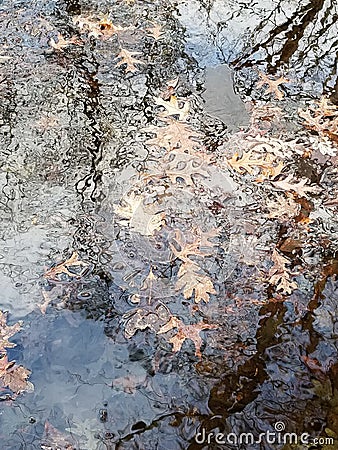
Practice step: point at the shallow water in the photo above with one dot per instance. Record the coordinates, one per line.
(74, 152)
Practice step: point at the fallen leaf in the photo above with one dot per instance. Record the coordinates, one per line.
(192, 281)
(98, 28)
(175, 136)
(155, 31)
(63, 43)
(7, 332)
(53, 439)
(173, 107)
(184, 332)
(282, 208)
(200, 245)
(300, 188)
(279, 275)
(63, 268)
(14, 377)
(272, 85)
(127, 58)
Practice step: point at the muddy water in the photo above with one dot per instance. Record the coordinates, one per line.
(72, 148)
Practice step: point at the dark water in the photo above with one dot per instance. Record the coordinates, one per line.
(74, 153)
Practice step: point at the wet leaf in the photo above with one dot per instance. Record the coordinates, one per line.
(64, 43)
(14, 376)
(282, 208)
(200, 245)
(279, 274)
(6, 332)
(249, 163)
(97, 28)
(152, 317)
(63, 268)
(184, 332)
(53, 439)
(300, 188)
(155, 31)
(175, 136)
(322, 118)
(128, 59)
(173, 107)
(137, 216)
(272, 85)
(192, 281)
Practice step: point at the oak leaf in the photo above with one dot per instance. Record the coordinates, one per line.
(128, 59)
(200, 245)
(63, 268)
(155, 31)
(301, 188)
(282, 208)
(279, 275)
(249, 163)
(192, 281)
(184, 332)
(272, 85)
(6, 332)
(175, 136)
(13, 376)
(53, 439)
(173, 107)
(98, 28)
(63, 43)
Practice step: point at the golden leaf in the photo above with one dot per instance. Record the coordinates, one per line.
(272, 85)
(184, 332)
(127, 58)
(173, 107)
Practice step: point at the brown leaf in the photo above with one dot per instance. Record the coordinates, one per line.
(184, 332)
(272, 85)
(300, 188)
(282, 208)
(191, 280)
(127, 58)
(14, 376)
(279, 274)
(63, 43)
(7, 332)
(63, 268)
(175, 136)
(200, 245)
(53, 439)
(98, 28)
(173, 107)
(249, 163)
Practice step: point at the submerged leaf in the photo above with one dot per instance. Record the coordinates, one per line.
(173, 107)
(184, 332)
(128, 59)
